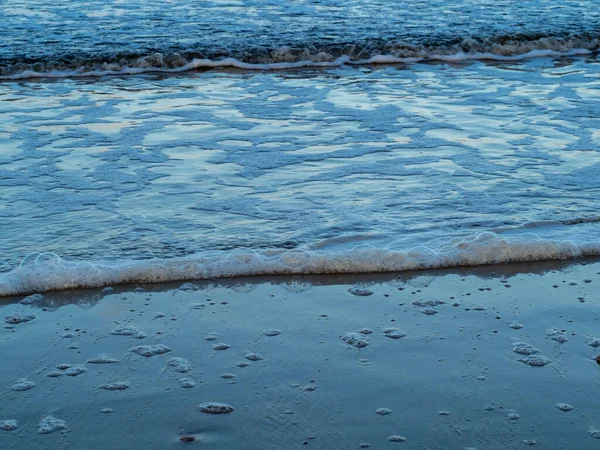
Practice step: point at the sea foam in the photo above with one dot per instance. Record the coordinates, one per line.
(286, 58)
(40, 272)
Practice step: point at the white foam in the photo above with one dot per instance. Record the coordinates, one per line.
(500, 53)
(42, 272)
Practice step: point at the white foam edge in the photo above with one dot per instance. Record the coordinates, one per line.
(42, 272)
(341, 61)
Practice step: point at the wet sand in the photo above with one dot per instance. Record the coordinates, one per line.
(416, 361)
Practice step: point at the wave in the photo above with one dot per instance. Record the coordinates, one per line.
(503, 48)
(41, 272)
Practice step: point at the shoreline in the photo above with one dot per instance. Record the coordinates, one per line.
(453, 380)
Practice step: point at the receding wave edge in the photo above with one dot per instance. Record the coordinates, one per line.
(41, 272)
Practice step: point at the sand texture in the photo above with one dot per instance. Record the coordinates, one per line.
(499, 358)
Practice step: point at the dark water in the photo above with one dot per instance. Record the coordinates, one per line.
(41, 35)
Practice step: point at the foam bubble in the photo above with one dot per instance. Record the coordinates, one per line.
(186, 383)
(524, 349)
(221, 346)
(180, 365)
(115, 386)
(355, 340)
(394, 333)
(215, 408)
(8, 425)
(102, 359)
(558, 336)
(75, 371)
(383, 411)
(397, 438)
(536, 360)
(23, 385)
(271, 333)
(564, 407)
(252, 356)
(151, 350)
(129, 331)
(50, 424)
(15, 319)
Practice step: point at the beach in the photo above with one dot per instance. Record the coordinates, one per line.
(250, 225)
(496, 357)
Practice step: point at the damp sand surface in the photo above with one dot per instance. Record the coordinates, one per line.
(465, 372)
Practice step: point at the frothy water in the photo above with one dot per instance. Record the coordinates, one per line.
(338, 165)
(115, 37)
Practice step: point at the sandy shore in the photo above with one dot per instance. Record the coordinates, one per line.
(416, 361)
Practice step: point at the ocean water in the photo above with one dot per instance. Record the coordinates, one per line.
(155, 141)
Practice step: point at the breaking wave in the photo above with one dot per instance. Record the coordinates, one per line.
(40, 272)
(503, 48)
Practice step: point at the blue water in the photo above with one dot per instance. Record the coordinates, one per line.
(44, 36)
(341, 168)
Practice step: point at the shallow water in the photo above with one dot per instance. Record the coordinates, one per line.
(286, 168)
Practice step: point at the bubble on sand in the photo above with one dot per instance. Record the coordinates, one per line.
(365, 331)
(159, 315)
(271, 333)
(211, 337)
(557, 336)
(150, 350)
(50, 424)
(595, 342)
(129, 331)
(75, 371)
(524, 349)
(252, 356)
(429, 311)
(115, 386)
(8, 425)
(428, 303)
(186, 383)
(310, 387)
(15, 319)
(513, 416)
(54, 374)
(102, 359)
(227, 376)
(215, 408)
(364, 445)
(355, 340)
(107, 289)
(221, 346)
(242, 364)
(444, 413)
(188, 287)
(594, 433)
(180, 365)
(396, 438)
(564, 407)
(383, 411)
(106, 410)
(31, 299)
(535, 360)
(361, 292)
(394, 333)
(197, 306)
(139, 289)
(516, 326)
(23, 386)
(63, 366)
(529, 442)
